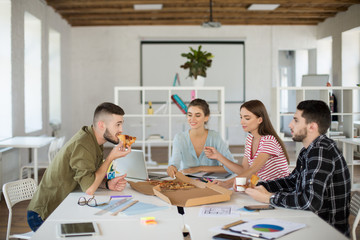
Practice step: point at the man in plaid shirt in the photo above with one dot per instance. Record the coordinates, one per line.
(321, 180)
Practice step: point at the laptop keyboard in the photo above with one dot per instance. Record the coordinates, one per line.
(157, 175)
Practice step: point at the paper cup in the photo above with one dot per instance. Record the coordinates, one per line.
(240, 182)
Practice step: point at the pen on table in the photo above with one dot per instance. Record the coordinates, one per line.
(202, 180)
(120, 196)
(227, 226)
(244, 232)
(208, 179)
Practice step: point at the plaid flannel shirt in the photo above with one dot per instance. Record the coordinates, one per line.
(320, 183)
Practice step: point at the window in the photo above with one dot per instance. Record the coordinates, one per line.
(32, 94)
(54, 78)
(350, 57)
(324, 57)
(301, 65)
(350, 68)
(5, 70)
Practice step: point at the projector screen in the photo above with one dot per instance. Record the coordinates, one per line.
(161, 60)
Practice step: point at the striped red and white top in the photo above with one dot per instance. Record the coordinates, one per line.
(276, 166)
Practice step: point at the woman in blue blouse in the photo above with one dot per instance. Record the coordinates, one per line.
(191, 148)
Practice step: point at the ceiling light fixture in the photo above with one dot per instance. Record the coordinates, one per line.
(211, 23)
(263, 7)
(148, 6)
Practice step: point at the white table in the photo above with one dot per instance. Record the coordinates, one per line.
(316, 228)
(170, 223)
(31, 143)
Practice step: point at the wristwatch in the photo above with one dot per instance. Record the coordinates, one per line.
(271, 197)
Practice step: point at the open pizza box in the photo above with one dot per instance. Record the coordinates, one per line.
(203, 193)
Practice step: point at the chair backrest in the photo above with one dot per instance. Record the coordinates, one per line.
(18, 191)
(52, 149)
(15, 192)
(61, 142)
(355, 210)
(55, 147)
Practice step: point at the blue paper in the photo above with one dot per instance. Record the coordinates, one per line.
(141, 207)
(137, 208)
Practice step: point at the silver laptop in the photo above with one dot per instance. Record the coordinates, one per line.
(134, 166)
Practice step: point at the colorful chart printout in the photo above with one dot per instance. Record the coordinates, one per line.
(267, 228)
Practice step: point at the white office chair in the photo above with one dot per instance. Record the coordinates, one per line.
(60, 143)
(15, 192)
(54, 147)
(355, 210)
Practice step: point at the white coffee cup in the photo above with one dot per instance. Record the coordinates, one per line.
(240, 183)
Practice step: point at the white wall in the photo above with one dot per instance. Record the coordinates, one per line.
(48, 19)
(334, 27)
(104, 57)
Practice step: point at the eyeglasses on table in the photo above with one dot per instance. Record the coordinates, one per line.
(91, 202)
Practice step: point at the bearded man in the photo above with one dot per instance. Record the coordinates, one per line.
(321, 180)
(80, 163)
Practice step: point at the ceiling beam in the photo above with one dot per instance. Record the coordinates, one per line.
(204, 15)
(99, 3)
(200, 9)
(188, 22)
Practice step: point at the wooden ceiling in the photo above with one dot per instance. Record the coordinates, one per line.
(195, 12)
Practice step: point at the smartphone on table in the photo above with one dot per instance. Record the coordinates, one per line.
(259, 207)
(223, 236)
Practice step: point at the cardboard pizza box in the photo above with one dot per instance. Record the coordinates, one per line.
(203, 193)
(143, 187)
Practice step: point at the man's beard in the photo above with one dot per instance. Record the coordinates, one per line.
(108, 136)
(301, 136)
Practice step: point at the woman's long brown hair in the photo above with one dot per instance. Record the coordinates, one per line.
(265, 127)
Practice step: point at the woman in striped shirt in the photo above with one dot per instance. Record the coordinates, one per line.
(265, 154)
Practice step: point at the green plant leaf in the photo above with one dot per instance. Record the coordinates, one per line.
(198, 62)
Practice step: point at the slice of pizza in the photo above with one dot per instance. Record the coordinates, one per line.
(171, 185)
(253, 181)
(126, 139)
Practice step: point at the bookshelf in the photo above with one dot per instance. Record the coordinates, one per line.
(347, 114)
(167, 119)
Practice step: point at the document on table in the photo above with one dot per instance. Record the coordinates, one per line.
(267, 228)
(219, 211)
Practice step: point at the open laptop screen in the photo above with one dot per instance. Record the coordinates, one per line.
(133, 165)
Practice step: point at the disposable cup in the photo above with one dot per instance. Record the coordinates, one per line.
(240, 183)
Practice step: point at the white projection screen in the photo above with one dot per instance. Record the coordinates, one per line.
(161, 60)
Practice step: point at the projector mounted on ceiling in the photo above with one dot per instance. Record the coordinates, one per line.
(211, 23)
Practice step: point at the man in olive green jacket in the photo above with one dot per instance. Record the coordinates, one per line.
(80, 163)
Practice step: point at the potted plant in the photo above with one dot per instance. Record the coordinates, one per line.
(198, 62)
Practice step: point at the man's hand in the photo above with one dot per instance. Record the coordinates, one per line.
(171, 171)
(211, 153)
(259, 193)
(118, 183)
(119, 151)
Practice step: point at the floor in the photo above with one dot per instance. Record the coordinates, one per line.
(19, 223)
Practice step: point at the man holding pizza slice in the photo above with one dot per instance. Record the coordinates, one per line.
(80, 163)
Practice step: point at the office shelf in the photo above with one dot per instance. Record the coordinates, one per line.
(347, 114)
(167, 113)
